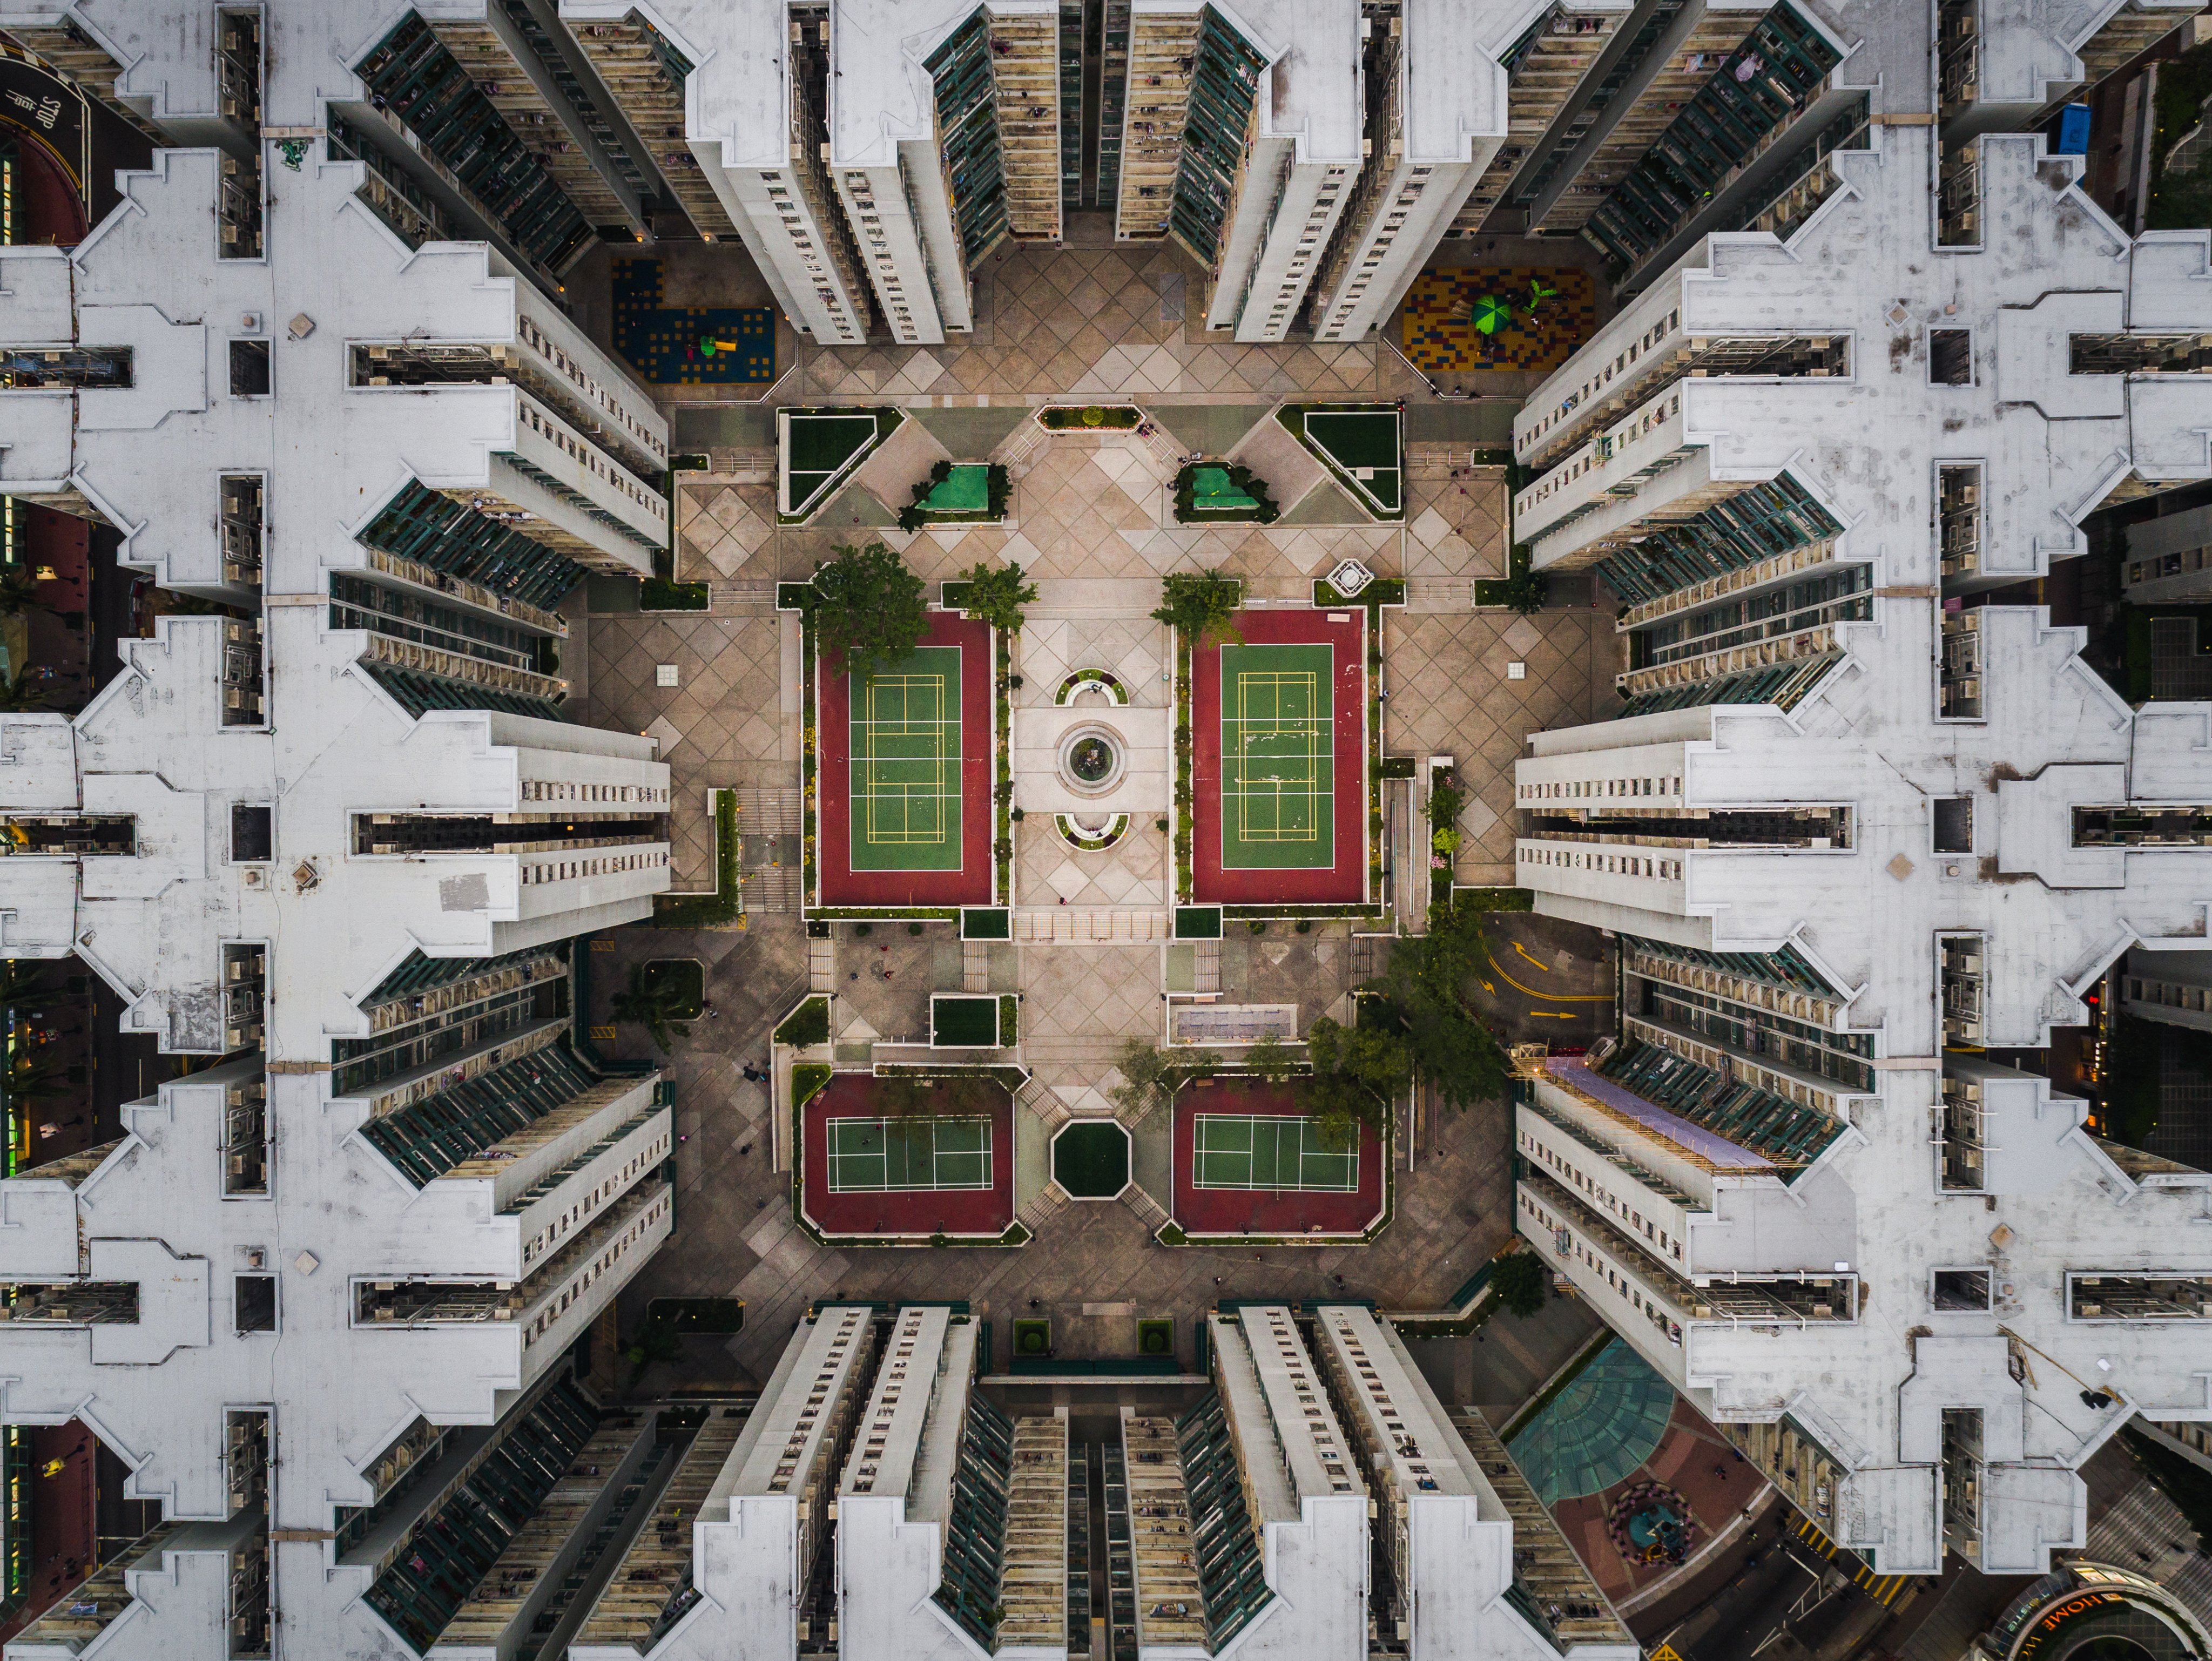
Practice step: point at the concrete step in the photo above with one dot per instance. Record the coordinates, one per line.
(974, 966)
(1145, 1206)
(772, 890)
(1079, 925)
(1053, 1198)
(821, 966)
(1205, 968)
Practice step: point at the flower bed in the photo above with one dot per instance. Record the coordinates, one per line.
(1091, 677)
(1075, 837)
(1092, 417)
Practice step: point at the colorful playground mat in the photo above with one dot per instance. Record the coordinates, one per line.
(1440, 336)
(1278, 789)
(689, 345)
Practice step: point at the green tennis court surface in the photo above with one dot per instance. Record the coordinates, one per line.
(879, 1155)
(820, 446)
(1245, 1150)
(906, 765)
(1363, 443)
(1278, 771)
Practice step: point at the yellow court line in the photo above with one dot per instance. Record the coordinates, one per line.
(1548, 997)
(1542, 967)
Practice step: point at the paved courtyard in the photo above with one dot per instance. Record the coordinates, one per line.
(1091, 521)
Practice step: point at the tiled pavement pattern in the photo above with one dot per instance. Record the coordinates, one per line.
(737, 1238)
(1087, 323)
(719, 726)
(1449, 696)
(1090, 323)
(1312, 970)
(1049, 872)
(1133, 649)
(1456, 515)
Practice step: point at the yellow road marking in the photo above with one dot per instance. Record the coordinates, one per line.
(1548, 997)
(1551, 1015)
(1539, 962)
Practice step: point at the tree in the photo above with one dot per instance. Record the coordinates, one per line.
(19, 590)
(652, 1004)
(20, 988)
(940, 1095)
(1150, 1077)
(996, 595)
(1357, 1073)
(1453, 1051)
(868, 611)
(1525, 592)
(1520, 1283)
(1202, 606)
(1270, 1058)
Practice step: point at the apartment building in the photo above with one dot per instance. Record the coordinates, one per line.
(1856, 830)
(875, 1491)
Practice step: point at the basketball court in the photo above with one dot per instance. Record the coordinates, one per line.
(904, 771)
(866, 1173)
(1279, 724)
(1250, 1158)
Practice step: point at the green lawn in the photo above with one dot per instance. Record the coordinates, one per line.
(819, 447)
(1365, 447)
(1091, 1158)
(966, 490)
(963, 1022)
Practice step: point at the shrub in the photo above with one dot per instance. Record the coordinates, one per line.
(1521, 1282)
(807, 1025)
(1201, 606)
(996, 595)
(657, 594)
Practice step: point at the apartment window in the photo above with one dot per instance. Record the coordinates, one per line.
(254, 1300)
(252, 835)
(1960, 1290)
(249, 368)
(1954, 824)
(1950, 357)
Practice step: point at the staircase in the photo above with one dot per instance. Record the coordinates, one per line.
(1050, 1199)
(1206, 966)
(726, 595)
(1043, 1102)
(1439, 593)
(1020, 449)
(773, 877)
(1076, 924)
(752, 463)
(821, 966)
(974, 966)
(1161, 447)
(1145, 1206)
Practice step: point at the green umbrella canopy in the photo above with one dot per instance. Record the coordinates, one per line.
(1492, 313)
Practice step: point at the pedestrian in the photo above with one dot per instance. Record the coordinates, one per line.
(746, 1148)
(712, 1014)
(1217, 1280)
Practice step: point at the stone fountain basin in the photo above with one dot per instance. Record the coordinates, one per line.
(1146, 787)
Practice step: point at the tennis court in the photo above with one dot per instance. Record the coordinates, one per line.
(906, 757)
(878, 1156)
(1250, 1160)
(1363, 444)
(1244, 1151)
(906, 781)
(1278, 762)
(818, 448)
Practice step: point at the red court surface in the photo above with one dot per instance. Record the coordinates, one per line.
(1344, 882)
(1278, 1211)
(922, 1212)
(1692, 1460)
(970, 885)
